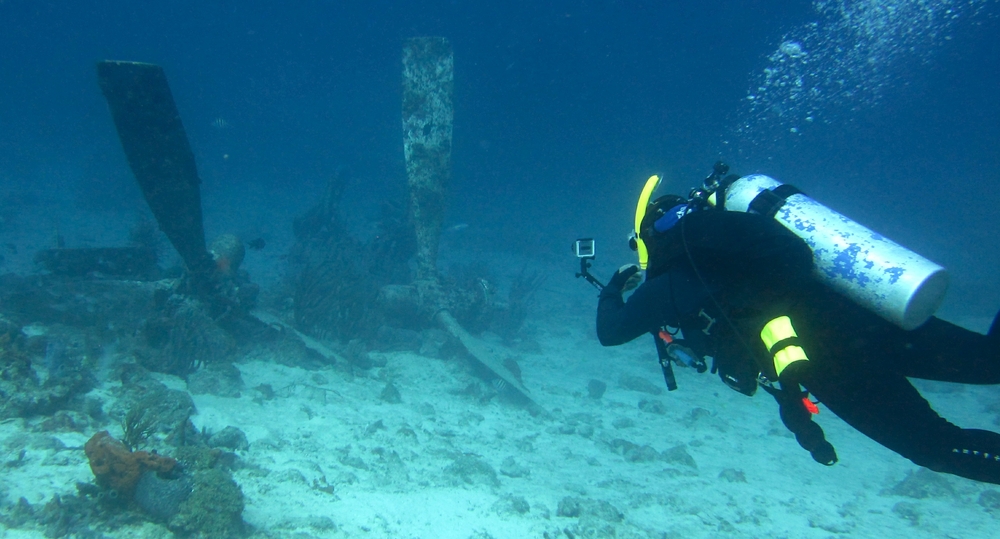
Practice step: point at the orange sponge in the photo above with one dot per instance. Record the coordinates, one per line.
(119, 469)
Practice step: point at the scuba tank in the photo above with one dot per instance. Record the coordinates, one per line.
(877, 273)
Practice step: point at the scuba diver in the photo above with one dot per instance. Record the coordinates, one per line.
(742, 288)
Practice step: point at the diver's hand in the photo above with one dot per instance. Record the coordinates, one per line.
(626, 278)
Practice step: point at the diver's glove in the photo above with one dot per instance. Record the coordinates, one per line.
(808, 434)
(626, 278)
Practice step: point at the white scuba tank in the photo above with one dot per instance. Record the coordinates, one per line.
(887, 278)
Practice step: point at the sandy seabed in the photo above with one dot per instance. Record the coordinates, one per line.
(328, 457)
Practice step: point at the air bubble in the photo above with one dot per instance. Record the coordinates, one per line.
(841, 64)
(792, 49)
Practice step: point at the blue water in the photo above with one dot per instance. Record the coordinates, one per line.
(886, 111)
(562, 108)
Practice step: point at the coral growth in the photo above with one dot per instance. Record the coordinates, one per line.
(181, 337)
(23, 393)
(471, 295)
(119, 469)
(520, 298)
(334, 294)
(477, 304)
(215, 507)
(339, 276)
(15, 365)
(138, 425)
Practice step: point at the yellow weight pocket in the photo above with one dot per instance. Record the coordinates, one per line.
(782, 343)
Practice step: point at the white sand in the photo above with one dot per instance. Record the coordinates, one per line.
(303, 441)
(319, 429)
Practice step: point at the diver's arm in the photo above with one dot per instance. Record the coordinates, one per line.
(619, 322)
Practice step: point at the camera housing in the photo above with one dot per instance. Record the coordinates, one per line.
(584, 248)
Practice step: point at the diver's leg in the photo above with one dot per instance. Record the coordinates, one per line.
(940, 350)
(886, 408)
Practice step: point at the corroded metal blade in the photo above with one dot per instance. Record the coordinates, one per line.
(159, 154)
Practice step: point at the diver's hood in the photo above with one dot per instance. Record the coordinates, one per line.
(662, 240)
(662, 214)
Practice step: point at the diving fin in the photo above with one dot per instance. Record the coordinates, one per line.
(160, 156)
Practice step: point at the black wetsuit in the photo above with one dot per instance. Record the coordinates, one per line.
(858, 362)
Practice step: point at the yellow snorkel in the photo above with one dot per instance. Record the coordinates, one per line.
(640, 211)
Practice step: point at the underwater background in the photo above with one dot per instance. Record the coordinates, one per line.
(886, 111)
(562, 109)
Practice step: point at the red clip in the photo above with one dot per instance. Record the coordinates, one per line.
(667, 338)
(810, 405)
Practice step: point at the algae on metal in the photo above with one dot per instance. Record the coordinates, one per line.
(428, 84)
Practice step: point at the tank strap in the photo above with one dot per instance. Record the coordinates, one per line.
(769, 201)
